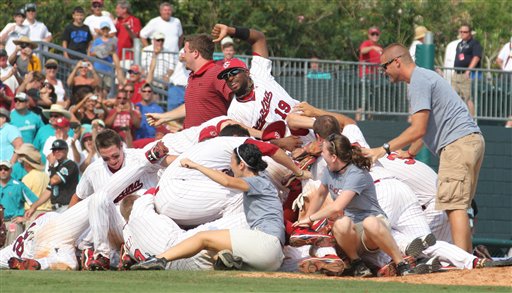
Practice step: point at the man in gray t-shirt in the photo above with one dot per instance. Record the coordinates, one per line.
(441, 120)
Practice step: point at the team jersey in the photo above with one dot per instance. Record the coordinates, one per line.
(97, 175)
(270, 102)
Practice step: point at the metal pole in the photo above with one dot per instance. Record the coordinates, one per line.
(137, 51)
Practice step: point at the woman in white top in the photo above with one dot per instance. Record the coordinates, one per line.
(51, 68)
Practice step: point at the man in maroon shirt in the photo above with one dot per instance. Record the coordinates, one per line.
(206, 97)
(128, 28)
(370, 51)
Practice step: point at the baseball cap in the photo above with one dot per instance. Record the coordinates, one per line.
(21, 96)
(134, 69)
(59, 144)
(6, 163)
(20, 11)
(226, 40)
(61, 122)
(274, 130)
(30, 6)
(99, 122)
(4, 112)
(104, 24)
(158, 36)
(208, 132)
(85, 135)
(229, 65)
(374, 29)
(3, 53)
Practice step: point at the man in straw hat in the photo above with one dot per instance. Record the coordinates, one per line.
(36, 179)
(56, 111)
(24, 57)
(419, 36)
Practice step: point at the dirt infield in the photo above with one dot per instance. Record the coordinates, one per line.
(481, 277)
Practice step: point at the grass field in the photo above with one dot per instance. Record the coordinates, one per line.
(172, 281)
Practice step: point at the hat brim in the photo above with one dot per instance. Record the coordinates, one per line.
(225, 71)
(30, 43)
(37, 166)
(419, 36)
(65, 113)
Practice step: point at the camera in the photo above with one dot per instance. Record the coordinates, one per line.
(85, 64)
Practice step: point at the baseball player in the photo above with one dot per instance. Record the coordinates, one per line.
(148, 233)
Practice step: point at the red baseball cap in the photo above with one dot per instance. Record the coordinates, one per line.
(135, 68)
(61, 122)
(274, 130)
(208, 132)
(230, 64)
(374, 29)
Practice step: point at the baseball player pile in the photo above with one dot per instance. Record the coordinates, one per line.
(152, 202)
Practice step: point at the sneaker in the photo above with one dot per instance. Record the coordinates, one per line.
(305, 236)
(359, 269)
(100, 263)
(86, 258)
(323, 226)
(158, 151)
(125, 261)
(151, 263)
(227, 261)
(25, 264)
(403, 269)
(330, 265)
(480, 263)
(390, 269)
(427, 265)
(419, 244)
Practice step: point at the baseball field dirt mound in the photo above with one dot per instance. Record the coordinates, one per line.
(481, 277)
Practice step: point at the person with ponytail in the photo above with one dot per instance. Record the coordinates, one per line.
(363, 228)
(257, 248)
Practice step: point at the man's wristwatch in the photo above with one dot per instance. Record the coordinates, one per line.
(386, 147)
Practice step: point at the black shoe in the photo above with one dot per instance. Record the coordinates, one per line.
(419, 244)
(151, 263)
(403, 269)
(227, 261)
(427, 265)
(360, 269)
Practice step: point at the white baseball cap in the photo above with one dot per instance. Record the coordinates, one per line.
(158, 36)
(227, 40)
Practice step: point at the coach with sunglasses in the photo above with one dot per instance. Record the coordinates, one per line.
(370, 51)
(440, 120)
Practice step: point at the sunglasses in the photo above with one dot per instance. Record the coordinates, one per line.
(384, 66)
(3, 168)
(51, 66)
(31, 10)
(55, 116)
(147, 91)
(160, 40)
(464, 32)
(129, 91)
(122, 98)
(97, 5)
(133, 72)
(19, 101)
(374, 34)
(232, 72)
(24, 45)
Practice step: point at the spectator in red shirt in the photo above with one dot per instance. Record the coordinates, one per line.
(206, 97)
(370, 51)
(128, 28)
(123, 118)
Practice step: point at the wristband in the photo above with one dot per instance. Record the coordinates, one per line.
(242, 33)
(410, 155)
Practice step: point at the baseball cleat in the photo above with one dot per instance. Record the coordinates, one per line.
(158, 151)
(25, 264)
(390, 269)
(125, 261)
(419, 244)
(151, 263)
(330, 265)
(480, 263)
(100, 263)
(427, 265)
(227, 261)
(359, 269)
(304, 236)
(86, 258)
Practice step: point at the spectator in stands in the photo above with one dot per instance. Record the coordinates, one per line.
(95, 20)
(370, 51)
(28, 122)
(206, 96)
(87, 109)
(103, 47)
(51, 68)
(504, 59)
(63, 179)
(227, 46)
(88, 154)
(55, 112)
(147, 105)
(128, 28)
(77, 35)
(314, 71)
(177, 83)
(62, 127)
(467, 55)
(33, 80)
(26, 60)
(13, 195)
(35, 179)
(83, 79)
(10, 137)
(134, 78)
(449, 58)
(37, 30)
(6, 96)
(14, 30)
(123, 118)
(47, 96)
(166, 24)
(7, 72)
(165, 59)
(419, 36)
